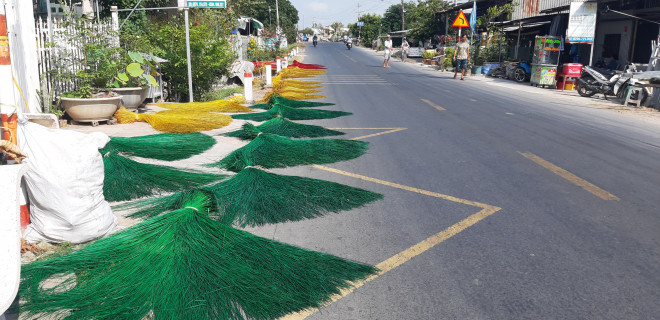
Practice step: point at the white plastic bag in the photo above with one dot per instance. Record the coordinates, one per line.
(65, 184)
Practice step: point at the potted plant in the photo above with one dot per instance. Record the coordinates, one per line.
(98, 62)
(477, 60)
(133, 82)
(89, 103)
(427, 55)
(448, 62)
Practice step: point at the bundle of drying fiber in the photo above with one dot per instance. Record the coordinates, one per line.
(210, 106)
(279, 110)
(273, 151)
(284, 83)
(254, 197)
(300, 73)
(292, 81)
(282, 127)
(176, 122)
(292, 95)
(307, 65)
(184, 265)
(126, 179)
(277, 99)
(293, 90)
(297, 103)
(167, 146)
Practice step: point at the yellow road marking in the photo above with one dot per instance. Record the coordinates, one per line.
(371, 135)
(586, 185)
(434, 105)
(407, 188)
(417, 249)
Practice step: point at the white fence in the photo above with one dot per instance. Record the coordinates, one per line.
(60, 51)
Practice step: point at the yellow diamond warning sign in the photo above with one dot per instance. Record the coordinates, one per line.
(461, 21)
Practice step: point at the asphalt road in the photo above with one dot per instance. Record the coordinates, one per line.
(503, 202)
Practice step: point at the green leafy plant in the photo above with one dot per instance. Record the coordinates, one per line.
(86, 58)
(134, 74)
(448, 62)
(477, 55)
(428, 54)
(211, 54)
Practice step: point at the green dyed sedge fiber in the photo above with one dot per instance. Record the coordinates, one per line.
(283, 127)
(279, 110)
(273, 151)
(126, 179)
(254, 197)
(168, 146)
(185, 265)
(276, 99)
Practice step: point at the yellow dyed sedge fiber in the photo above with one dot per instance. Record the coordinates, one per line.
(300, 73)
(124, 116)
(210, 106)
(293, 89)
(176, 121)
(306, 82)
(296, 84)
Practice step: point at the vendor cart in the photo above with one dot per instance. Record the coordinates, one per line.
(545, 61)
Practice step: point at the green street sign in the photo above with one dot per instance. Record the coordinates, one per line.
(207, 4)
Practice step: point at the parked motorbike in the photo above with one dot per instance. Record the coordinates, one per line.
(608, 82)
(349, 44)
(517, 71)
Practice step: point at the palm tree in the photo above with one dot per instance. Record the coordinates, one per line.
(336, 27)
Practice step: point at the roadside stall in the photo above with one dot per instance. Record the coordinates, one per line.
(545, 61)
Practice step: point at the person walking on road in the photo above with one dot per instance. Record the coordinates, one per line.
(388, 52)
(461, 56)
(405, 46)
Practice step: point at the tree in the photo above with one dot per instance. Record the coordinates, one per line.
(392, 17)
(211, 53)
(308, 31)
(137, 21)
(487, 22)
(259, 9)
(424, 23)
(369, 30)
(336, 27)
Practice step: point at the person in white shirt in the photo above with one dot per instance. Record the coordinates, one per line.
(388, 52)
(404, 49)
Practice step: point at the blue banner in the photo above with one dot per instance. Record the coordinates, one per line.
(473, 16)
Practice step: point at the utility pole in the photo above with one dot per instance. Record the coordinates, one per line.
(277, 17)
(358, 19)
(403, 19)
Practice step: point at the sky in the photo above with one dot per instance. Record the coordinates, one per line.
(326, 12)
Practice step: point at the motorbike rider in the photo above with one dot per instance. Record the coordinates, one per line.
(405, 47)
(315, 40)
(349, 43)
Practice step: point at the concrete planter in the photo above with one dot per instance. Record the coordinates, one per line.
(91, 109)
(132, 97)
(10, 233)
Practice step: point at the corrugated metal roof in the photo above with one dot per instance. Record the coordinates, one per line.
(533, 8)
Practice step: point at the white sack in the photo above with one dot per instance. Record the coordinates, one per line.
(65, 184)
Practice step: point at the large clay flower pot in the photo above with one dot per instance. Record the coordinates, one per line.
(132, 97)
(90, 109)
